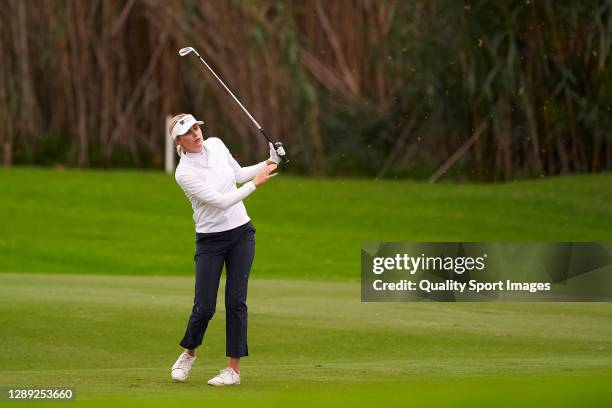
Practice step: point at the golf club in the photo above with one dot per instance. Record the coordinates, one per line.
(277, 145)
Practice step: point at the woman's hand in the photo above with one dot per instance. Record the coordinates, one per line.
(276, 151)
(265, 175)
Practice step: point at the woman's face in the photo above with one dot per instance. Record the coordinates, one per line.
(192, 141)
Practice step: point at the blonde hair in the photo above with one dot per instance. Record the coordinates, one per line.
(176, 118)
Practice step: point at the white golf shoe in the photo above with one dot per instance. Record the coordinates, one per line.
(227, 376)
(180, 369)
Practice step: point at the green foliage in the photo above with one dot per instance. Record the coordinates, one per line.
(353, 144)
(384, 89)
(531, 70)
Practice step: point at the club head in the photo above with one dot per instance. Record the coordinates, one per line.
(185, 51)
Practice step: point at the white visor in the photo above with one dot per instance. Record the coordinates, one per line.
(183, 125)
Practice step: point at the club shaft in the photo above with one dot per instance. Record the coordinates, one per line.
(187, 50)
(234, 96)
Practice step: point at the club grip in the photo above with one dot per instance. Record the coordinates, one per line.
(284, 159)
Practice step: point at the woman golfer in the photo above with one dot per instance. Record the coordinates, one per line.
(208, 174)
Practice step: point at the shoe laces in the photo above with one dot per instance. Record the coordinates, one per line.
(183, 360)
(228, 370)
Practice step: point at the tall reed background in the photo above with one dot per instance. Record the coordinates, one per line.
(483, 90)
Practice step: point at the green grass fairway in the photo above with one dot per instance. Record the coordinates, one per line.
(128, 222)
(96, 284)
(113, 336)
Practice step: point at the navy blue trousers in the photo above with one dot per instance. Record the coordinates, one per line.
(235, 249)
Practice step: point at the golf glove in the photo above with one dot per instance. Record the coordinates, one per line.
(276, 152)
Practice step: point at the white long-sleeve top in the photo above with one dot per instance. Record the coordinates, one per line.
(209, 181)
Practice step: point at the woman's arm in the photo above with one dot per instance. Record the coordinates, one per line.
(244, 173)
(194, 187)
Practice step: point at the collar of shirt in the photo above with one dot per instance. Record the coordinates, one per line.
(200, 158)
